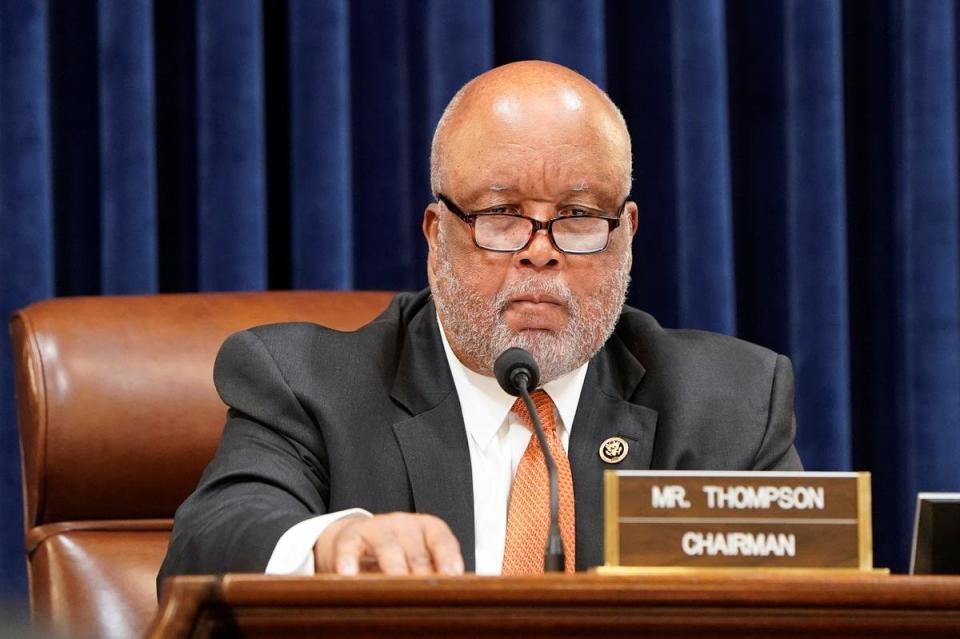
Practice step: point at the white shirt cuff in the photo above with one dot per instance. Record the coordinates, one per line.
(293, 554)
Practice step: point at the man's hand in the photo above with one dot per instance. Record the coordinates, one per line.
(394, 544)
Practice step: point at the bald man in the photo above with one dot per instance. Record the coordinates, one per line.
(393, 449)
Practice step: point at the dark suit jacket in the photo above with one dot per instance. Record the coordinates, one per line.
(321, 421)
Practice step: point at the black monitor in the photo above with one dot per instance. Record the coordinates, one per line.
(936, 535)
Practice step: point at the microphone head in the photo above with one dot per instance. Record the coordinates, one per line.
(512, 366)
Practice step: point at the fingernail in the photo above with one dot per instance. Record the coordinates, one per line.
(347, 568)
(453, 568)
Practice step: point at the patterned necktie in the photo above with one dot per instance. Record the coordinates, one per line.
(528, 515)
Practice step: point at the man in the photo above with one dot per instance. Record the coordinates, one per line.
(393, 449)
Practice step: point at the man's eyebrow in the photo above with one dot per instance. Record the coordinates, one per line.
(582, 187)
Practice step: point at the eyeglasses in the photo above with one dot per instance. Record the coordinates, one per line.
(506, 230)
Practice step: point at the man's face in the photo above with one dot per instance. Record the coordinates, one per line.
(558, 306)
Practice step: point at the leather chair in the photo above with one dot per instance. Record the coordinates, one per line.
(118, 418)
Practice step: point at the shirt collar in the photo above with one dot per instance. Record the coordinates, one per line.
(485, 405)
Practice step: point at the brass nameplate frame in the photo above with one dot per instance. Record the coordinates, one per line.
(681, 520)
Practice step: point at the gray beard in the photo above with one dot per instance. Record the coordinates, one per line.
(480, 333)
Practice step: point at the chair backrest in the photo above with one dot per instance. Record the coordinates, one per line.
(118, 418)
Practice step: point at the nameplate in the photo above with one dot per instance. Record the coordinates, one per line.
(738, 520)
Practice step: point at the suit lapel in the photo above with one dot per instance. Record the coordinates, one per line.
(433, 440)
(604, 411)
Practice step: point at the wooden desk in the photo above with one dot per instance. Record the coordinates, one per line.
(749, 605)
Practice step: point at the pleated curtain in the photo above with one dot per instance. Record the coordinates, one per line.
(795, 165)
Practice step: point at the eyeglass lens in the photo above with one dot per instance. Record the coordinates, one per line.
(510, 233)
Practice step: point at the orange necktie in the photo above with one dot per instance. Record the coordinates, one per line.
(528, 515)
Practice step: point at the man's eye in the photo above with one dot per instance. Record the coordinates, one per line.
(575, 212)
(500, 210)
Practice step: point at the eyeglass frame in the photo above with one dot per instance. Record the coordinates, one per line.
(470, 220)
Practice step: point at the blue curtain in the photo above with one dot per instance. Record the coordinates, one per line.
(795, 166)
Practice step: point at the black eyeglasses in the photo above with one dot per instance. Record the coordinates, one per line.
(506, 230)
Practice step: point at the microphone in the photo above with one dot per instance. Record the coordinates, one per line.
(518, 374)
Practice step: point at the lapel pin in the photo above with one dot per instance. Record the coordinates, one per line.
(613, 450)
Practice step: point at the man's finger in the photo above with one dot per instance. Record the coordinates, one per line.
(411, 537)
(442, 546)
(391, 557)
(348, 548)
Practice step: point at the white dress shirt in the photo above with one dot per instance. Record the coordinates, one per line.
(497, 441)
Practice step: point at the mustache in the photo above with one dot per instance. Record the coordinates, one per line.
(537, 286)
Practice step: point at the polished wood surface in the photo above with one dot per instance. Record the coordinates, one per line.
(693, 605)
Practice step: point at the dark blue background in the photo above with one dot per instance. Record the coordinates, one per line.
(795, 168)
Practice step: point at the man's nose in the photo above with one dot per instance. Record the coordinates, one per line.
(540, 252)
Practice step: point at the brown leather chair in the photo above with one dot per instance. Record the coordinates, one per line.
(118, 417)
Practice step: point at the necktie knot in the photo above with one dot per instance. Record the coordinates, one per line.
(544, 406)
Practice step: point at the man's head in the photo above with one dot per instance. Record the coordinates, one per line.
(538, 139)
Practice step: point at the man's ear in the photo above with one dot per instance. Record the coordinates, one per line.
(431, 231)
(634, 217)
(431, 225)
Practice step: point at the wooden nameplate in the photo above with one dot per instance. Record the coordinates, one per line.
(680, 520)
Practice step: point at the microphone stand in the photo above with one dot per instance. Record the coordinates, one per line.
(553, 559)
